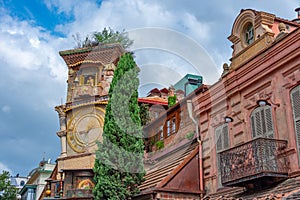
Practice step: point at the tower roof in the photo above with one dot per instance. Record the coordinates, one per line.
(103, 54)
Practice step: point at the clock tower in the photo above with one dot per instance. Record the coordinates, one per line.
(90, 72)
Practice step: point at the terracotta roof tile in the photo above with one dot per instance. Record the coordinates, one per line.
(163, 165)
(153, 100)
(100, 54)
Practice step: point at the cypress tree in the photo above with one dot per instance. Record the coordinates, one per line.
(119, 165)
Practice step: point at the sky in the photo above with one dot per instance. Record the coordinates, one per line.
(171, 38)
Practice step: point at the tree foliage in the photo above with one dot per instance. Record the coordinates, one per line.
(106, 36)
(144, 114)
(7, 191)
(119, 165)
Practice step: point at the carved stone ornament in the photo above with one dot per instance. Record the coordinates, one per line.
(61, 133)
(61, 111)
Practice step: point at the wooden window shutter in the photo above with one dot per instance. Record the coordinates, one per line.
(225, 136)
(222, 137)
(262, 123)
(269, 123)
(222, 143)
(295, 97)
(253, 126)
(296, 102)
(218, 139)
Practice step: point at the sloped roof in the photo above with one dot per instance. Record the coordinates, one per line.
(153, 100)
(103, 54)
(164, 90)
(162, 164)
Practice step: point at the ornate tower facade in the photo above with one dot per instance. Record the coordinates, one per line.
(90, 72)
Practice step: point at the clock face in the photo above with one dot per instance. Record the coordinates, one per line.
(85, 128)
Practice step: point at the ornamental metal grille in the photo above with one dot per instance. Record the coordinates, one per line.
(257, 158)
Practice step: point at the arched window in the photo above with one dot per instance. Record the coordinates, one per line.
(295, 98)
(222, 143)
(22, 183)
(262, 123)
(249, 33)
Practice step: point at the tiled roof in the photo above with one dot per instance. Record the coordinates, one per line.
(153, 100)
(104, 55)
(161, 164)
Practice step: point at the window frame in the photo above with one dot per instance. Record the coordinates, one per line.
(262, 123)
(296, 117)
(220, 138)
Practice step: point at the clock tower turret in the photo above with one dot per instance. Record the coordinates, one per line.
(90, 71)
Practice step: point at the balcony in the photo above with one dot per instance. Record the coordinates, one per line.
(79, 193)
(254, 164)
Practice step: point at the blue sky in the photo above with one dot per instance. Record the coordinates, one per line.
(33, 75)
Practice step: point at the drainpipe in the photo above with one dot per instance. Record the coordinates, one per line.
(190, 110)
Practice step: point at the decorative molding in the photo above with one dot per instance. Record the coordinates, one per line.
(61, 111)
(61, 133)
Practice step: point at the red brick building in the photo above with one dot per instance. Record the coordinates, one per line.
(249, 123)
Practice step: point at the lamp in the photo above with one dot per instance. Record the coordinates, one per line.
(228, 119)
(267, 99)
(18, 197)
(262, 103)
(48, 185)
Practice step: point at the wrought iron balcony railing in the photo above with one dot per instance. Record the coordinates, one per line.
(259, 159)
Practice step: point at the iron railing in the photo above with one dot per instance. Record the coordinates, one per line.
(254, 159)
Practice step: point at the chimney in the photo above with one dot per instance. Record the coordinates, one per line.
(297, 20)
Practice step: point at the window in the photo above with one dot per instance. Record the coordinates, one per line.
(22, 183)
(222, 138)
(261, 122)
(181, 119)
(171, 126)
(295, 98)
(249, 34)
(222, 143)
(160, 133)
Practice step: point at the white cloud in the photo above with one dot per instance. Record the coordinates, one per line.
(6, 109)
(25, 46)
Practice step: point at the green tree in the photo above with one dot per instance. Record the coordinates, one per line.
(7, 191)
(119, 165)
(144, 114)
(106, 36)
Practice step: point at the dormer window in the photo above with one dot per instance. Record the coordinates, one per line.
(249, 34)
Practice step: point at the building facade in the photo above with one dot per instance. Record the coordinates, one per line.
(248, 142)
(239, 139)
(81, 118)
(248, 120)
(36, 181)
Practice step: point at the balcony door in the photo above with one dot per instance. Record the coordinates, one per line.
(262, 123)
(262, 126)
(222, 143)
(295, 97)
